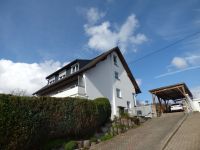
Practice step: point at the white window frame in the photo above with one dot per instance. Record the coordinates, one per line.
(74, 68)
(116, 75)
(51, 80)
(62, 75)
(118, 93)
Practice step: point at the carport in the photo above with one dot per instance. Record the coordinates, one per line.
(177, 92)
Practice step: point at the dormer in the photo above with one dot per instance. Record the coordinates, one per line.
(52, 80)
(74, 68)
(62, 74)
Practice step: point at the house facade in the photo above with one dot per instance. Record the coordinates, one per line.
(107, 75)
(196, 104)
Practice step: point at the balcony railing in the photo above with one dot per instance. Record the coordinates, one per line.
(78, 91)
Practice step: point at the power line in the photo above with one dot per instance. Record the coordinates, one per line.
(163, 48)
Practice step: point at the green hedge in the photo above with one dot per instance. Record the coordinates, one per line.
(71, 145)
(25, 122)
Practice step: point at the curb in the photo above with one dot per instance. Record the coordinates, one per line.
(169, 136)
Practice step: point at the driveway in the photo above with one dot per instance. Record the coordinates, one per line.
(188, 135)
(148, 136)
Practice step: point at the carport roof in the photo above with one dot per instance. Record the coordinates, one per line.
(172, 92)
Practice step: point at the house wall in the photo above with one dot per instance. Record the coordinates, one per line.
(196, 103)
(100, 82)
(146, 110)
(189, 103)
(124, 84)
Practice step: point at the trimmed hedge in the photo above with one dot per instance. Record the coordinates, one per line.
(71, 145)
(25, 122)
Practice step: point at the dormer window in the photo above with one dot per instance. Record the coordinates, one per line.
(51, 80)
(74, 68)
(115, 60)
(62, 74)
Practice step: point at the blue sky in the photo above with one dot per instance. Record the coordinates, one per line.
(39, 36)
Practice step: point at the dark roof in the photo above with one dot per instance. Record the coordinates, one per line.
(83, 62)
(172, 92)
(92, 63)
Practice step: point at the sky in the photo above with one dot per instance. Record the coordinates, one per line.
(39, 36)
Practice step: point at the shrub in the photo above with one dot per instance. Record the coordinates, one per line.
(93, 139)
(103, 109)
(106, 137)
(20, 125)
(125, 115)
(26, 122)
(135, 120)
(71, 145)
(52, 144)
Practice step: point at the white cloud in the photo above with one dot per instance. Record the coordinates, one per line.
(93, 15)
(179, 62)
(196, 92)
(182, 64)
(103, 37)
(65, 63)
(25, 76)
(139, 82)
(193, 59)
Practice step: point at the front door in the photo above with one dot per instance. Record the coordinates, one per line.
(121, 110)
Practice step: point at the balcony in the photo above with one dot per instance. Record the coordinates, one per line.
(76, 91)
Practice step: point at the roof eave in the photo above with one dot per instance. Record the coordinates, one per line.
(117, 50)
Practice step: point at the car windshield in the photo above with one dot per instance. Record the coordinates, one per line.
(175, 104)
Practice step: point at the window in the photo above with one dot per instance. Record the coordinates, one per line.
(51, 80)
(128, 105)
(74, 68)
(62, 74)
(118, 92)
(134, 100)
(115, 59)
(116, 75)
(139, 113)
(60, 77)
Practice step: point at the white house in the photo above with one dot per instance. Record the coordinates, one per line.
(196, 104)
(106, 75)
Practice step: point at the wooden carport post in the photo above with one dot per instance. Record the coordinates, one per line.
(166, 105)
(160, 110)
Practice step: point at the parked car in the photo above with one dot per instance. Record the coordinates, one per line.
(176, 107)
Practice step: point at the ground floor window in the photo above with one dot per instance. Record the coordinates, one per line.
(139, 113)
